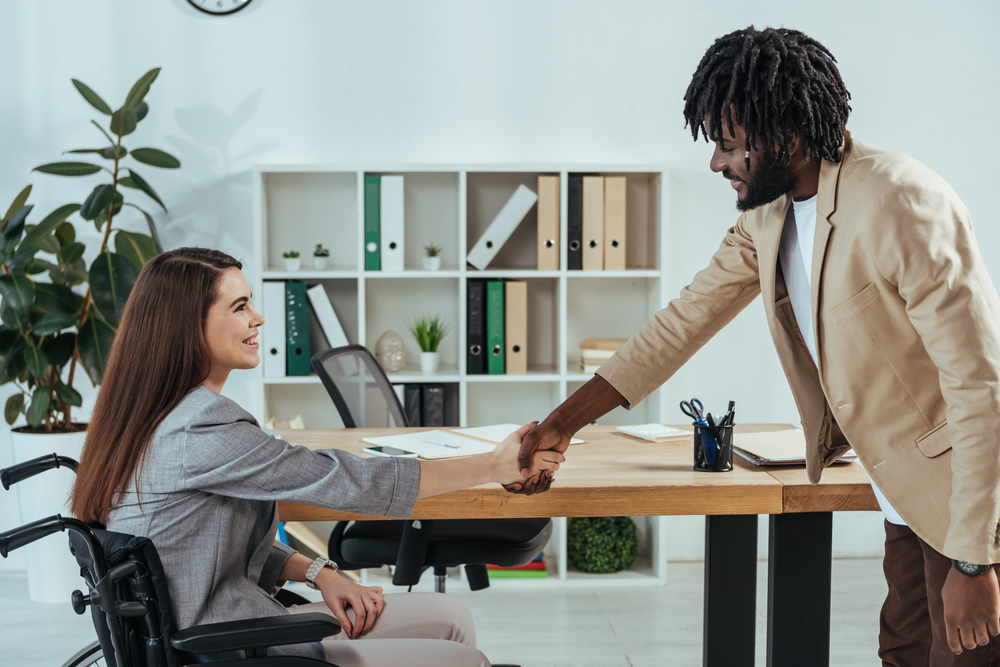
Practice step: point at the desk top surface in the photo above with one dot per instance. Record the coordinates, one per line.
(612, 474)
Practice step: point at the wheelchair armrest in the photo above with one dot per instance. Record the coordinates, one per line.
(254, 633)
(289, 598)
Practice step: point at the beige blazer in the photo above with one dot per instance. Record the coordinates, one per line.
(907, 326)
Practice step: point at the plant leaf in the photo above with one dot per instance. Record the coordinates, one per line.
(18, 202)
(93, 345)
(93, 98)
(98, 200)
(36, 266)
(137, 248)
(69, 396)
(52, 323)
(72, 252)
(123, 122)
(66, 233)
(49, 223)
(51, 298)
(127, 182)
(156, 158)
(146, 187)
(152, 228)
(16, 223)
(13, 408)
(38, 363)
(12, 363)
(46, 242)
(68, 168)
(24, 256)
(140, 88)
(74, 274)
(140, 110)
(18, 297)
(59, 349)
(39, 406)
(111, 279)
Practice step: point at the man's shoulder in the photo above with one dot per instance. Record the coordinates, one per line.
(871, 169)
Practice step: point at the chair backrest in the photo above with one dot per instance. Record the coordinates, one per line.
(359, 388)
(134, 617)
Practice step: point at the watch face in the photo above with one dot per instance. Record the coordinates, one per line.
(969, 568)
(219, 7)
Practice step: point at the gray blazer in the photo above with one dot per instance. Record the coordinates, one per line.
(206, 497)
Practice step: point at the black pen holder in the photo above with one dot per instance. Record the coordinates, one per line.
(713, 448)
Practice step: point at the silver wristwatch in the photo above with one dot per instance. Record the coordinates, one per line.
(314, 570)
(969, 569)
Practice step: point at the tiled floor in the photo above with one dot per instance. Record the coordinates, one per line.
(557, 626)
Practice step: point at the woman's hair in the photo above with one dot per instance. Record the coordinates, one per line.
(158, 356)
(774, 81)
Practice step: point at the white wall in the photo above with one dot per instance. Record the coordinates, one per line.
(512, 80)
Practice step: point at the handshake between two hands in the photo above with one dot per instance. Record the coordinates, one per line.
(529, 457)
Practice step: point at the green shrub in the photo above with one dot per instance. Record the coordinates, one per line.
(602, 544)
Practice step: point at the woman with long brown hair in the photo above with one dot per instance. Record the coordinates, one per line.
(168, 458)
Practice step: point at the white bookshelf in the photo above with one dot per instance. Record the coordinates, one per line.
(298, 206)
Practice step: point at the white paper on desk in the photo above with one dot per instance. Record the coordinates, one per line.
(417, 443)
(495, 433)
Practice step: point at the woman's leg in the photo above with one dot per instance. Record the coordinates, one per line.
(415, 629)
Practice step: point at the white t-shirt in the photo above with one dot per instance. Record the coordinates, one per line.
(796, 253)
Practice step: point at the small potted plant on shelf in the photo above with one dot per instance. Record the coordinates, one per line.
(292, 260)
(429, 330)
(432, 258)
(320, 257)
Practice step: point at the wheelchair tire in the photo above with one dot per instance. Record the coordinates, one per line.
(87, 656)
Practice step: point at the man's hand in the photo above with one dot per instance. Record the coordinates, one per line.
(341, 594)
(543, 437)
(971, 609)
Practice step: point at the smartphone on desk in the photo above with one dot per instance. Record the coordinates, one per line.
(382, 450)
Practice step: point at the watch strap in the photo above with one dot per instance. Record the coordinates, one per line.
(314, 570)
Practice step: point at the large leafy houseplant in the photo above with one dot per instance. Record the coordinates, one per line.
(71, 318)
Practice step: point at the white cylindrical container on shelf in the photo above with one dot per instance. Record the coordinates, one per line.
(53, 573)
(292, 263)
(319, 263)
(432, 263)
(429, 362)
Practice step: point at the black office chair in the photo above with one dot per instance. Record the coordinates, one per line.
(365, 399)
(130, 604)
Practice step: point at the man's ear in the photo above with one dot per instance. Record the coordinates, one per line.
(793, 138)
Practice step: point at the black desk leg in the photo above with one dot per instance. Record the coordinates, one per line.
(798, 589)
(730, 591)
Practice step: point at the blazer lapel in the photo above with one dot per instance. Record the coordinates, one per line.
(826, 206)
(766, 244)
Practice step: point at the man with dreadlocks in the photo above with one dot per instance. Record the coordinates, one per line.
(884, 318)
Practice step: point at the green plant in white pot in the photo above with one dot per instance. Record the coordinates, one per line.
(429, 331)
(57, 314)
(432, 257)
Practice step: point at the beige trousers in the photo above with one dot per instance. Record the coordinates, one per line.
(414, 629)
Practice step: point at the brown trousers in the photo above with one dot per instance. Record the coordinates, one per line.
(911, 627)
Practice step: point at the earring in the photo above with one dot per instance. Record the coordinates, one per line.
(746, 155)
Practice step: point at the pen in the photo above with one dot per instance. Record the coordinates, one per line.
(432, 441)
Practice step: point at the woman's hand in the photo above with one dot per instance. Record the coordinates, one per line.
(505, 464)
(339, 593)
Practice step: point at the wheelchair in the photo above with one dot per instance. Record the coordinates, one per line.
(130, 604)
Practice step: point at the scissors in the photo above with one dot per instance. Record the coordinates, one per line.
(693, 409)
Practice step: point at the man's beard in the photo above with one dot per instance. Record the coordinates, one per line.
(771, 179)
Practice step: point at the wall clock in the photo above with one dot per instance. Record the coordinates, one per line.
(219, 7)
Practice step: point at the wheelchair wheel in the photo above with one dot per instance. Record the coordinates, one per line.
(87, 656)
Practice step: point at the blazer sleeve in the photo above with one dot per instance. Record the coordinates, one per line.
(922, 242)
(226, 453)
(672, 336)
(269, 574)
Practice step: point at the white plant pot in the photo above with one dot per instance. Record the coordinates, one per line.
(429, 362)
(319, 263)
(432, 263)
(53, 573)
(292, 263)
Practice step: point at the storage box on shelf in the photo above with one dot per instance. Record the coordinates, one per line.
(298, 206)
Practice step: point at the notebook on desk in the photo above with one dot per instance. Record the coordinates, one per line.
(446, 443)
(777, 448)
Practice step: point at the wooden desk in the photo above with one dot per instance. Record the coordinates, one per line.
(614, 475)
